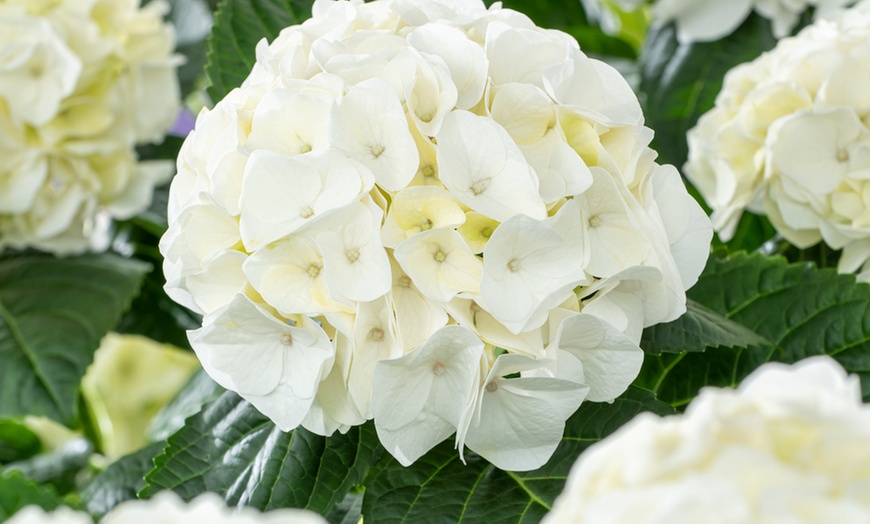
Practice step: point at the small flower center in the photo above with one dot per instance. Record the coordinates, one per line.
(594, 221)
(440, 256)
(426, 117)
(438, 369)
(352, 255)
(486, 232)
(405, 281)
(842, 155)
(287, 339)
(306, 212)
(514, 265)
(305, 148)
(480, 186)
(426, 226)
(314, 270)
(492, 386)
(377, 150)
(428, 171)
(376, 335)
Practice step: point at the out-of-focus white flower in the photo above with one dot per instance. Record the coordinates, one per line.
(168, 508)
(420, 189)
(708, 20)
(131, 379)
(789, 445)
(789, 138)
(81, 83)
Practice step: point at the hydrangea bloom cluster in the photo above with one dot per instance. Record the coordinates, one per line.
(708, 20)
(789, 138)
(167, 508)
(431, 214)
(789, 445)
(81, 83)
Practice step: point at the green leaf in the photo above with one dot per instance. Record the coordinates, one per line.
(53, 313)
(697, 329)
(439, 488)
(232, 449)
(17, 491)
(62, 468)
(120, 481)
(17, 442)
(801, 310)
(681, 81)
(238, 26)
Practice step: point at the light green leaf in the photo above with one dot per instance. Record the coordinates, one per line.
(440, 488)
(18, 491)
(53, 313)
(681, 81)
(238, 26)
(233, 450)
(120, 481)
(697, 329)
(801, 310)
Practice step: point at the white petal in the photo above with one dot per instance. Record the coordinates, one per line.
(465, 59)
(370, 126)
(440, 264)
(480, 164)
(611, 361)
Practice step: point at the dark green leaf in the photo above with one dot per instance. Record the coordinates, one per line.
(17, 491)
(800, 309)
(53, 313)
(238, 26)
(348, 511)
(199, 390)
(231, 449)
(120, 481)
(697, 329)
(17, 442)
(61, 468)
(439, 488)
(681, 81)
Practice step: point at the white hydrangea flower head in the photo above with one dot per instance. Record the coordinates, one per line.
(403, 215)
(81, 84)
(789, 138)
(168, 508)
(788, 445)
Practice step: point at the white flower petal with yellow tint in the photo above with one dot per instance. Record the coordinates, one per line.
(369, 125)
(375, 338)
(440, 264)
(480, 164)
(611, 361)
(561, 171)
(270, 363)
(430, 94)
(418, 399)
(290, 123)
(471, 315)
(518, 422)
(525, 111)
(595, 90)
(280, 194)
(417, 317)
(289, 276)
(332, 408)
(219, 281)
(354, 259)
(522, 55)
(529, 262)
(476, 230)
(465, 59)
(417, 209)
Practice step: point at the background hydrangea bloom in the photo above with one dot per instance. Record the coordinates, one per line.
(431, 214)
(168, 508)
(789, 138)
(81, 83)
(789, 445)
